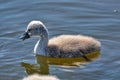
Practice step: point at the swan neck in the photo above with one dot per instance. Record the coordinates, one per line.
(41, 46)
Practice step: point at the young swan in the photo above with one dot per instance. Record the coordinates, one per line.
(65, 46)
(40, 77)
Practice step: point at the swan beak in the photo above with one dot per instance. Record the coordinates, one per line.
(25, 36)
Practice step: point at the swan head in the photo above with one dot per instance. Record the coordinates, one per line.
(35, 29)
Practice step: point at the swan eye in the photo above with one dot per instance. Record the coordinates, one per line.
(29, 29)
(36, 28)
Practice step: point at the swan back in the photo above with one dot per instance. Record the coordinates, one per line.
(68, 42)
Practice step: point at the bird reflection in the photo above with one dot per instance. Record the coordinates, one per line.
(41, 68)
(42, 63)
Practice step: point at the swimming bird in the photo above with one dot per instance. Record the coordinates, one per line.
(63, 46)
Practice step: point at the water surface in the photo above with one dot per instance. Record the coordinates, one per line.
(100, 19)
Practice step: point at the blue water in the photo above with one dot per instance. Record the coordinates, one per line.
(97, 18)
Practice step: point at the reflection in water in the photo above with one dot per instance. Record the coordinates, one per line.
(67, 61)
(42, 66)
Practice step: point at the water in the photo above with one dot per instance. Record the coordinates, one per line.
(97, 18)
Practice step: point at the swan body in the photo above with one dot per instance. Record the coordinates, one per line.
(65, 46)
(72, 45)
